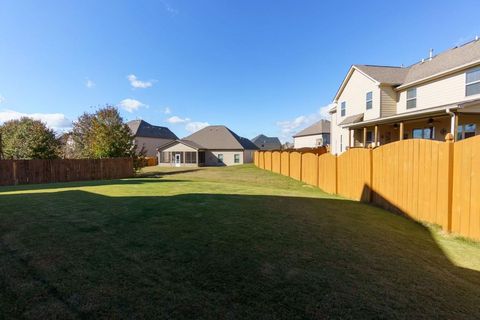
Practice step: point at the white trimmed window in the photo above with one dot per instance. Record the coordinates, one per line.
(220, 158)
(236, 158)
(343, 109)
(369, 100)
(411, 98)
(424, 133)
(472, 82)
(466, 131)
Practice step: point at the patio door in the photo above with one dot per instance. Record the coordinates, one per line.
(177, 160)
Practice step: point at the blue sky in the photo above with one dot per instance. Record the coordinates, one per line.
(257, 66)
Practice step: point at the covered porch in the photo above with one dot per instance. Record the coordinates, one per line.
(463, 122)
(182, 158)
(181, 153)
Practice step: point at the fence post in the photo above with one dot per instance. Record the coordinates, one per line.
(15, 180)
(280, 161)
(449, 140)
(370, 159)
(288, 167)
(301, 165)
(336, 174)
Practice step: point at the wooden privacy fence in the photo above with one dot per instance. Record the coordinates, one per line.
(431, 181)
(14, 172)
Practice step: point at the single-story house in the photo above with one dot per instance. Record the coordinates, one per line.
(314, 136)
(149, 137)
(267, 143)
(210, 146)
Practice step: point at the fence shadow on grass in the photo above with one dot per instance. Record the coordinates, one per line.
(88, 183)
(75, 253)
(158, 172)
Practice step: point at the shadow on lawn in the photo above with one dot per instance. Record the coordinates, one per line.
(78, 254)
(91, 183)
(160, 173)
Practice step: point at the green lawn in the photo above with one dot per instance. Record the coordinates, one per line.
(223, 243)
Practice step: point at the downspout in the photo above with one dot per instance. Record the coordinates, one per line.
(453, 117)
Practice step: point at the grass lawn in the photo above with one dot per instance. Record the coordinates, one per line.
(223, 243)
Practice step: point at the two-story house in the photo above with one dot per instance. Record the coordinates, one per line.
(376, 105)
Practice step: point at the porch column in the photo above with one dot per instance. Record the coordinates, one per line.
(401, 131)
(365, 137)
(349, 138)
(454, 126)
(376, 137)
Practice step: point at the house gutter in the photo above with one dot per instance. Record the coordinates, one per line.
(401, 117)
(453, 118)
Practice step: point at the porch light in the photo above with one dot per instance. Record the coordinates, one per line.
(395, 126)
(430, 122)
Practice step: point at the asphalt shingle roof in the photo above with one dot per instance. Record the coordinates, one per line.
(141, 128)
(352, 119)
(220, 138)
(444, 61)
(267, 143)
(322, 126)
(384, 74)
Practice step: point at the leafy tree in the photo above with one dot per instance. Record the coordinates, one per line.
(102, 134)
(28, 139)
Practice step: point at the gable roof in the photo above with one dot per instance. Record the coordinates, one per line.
(322, 126)
(141, 128)
(456, 57)
(459, 57)
(188, 143)
(384, 74)
(267, 143)
(220, 138)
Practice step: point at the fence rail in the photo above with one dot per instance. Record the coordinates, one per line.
(13, 172)
(430, 181)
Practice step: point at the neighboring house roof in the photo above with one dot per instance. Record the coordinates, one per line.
(459, 57)
(141, 128)
(322, 126)
(352, 119)
(264, 142)
(188, 143)
(220, 138)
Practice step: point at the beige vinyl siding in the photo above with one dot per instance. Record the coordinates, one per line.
(388, 100)
(211, 157)
(307, 141)
(178, 147)
(443, 91)
(354, 94)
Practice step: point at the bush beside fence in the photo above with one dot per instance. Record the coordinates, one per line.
(431, 181)
(13, 172)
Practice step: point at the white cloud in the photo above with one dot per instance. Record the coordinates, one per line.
(56, 121)
(2, 99)
(290, 127)
(195, 126)
(131, 105)
(175, 120)
(169, 8)
(138, 84)
(89, 84)
(167, 110)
